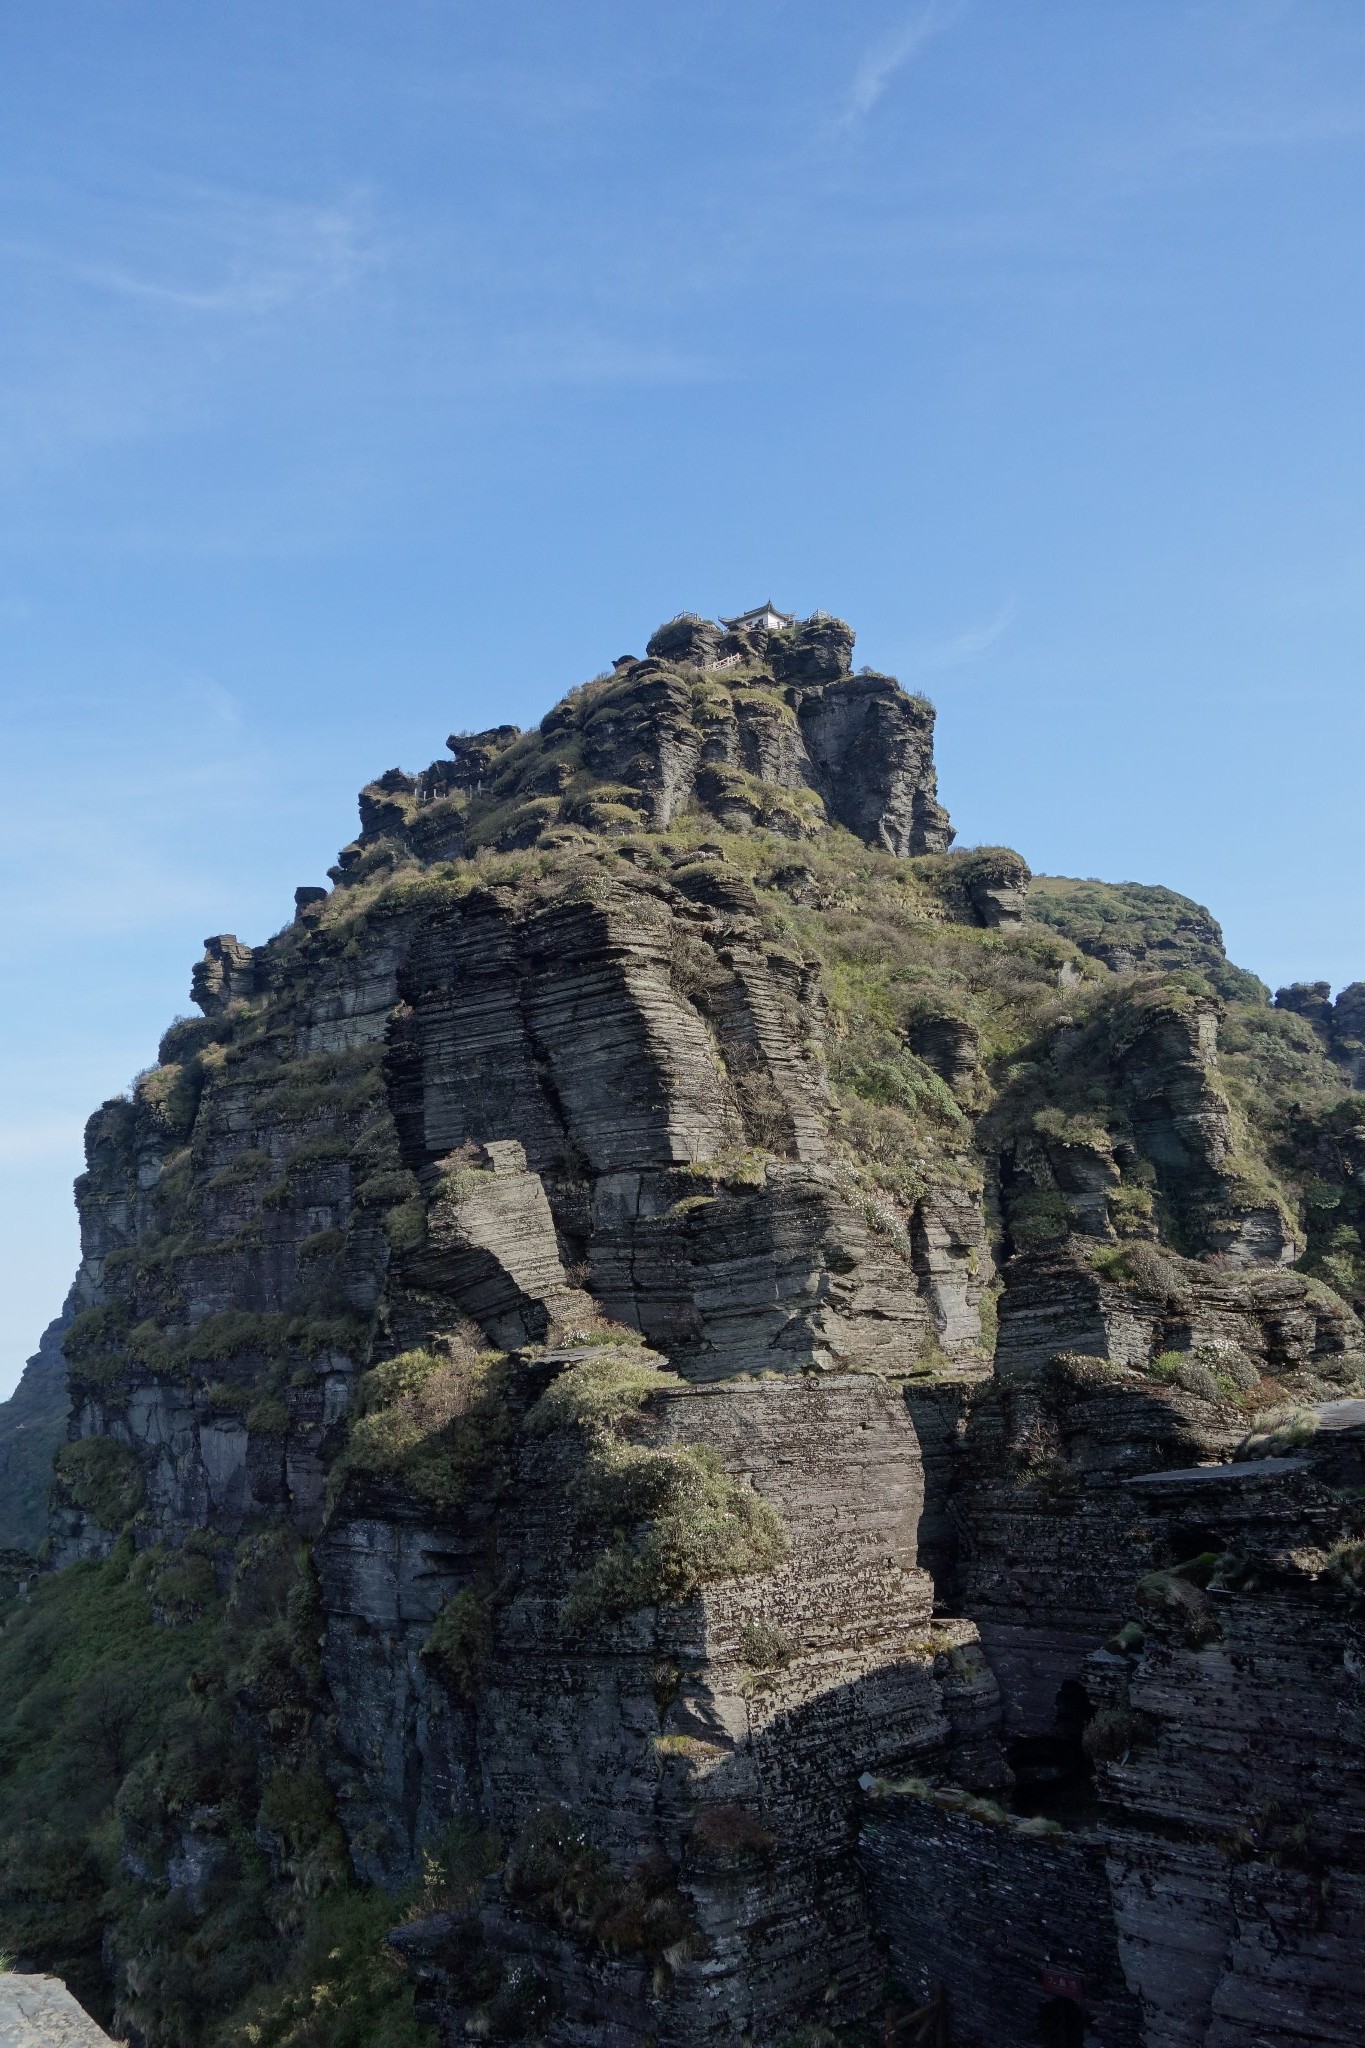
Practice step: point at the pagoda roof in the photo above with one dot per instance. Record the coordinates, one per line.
(757, 612)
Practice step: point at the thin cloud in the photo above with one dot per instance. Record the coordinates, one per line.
(267, 253)
(1206, 140)
(881, 63)
(962, 648)
(134, 321)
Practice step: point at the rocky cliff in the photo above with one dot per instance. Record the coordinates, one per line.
(32, 1426)
(695, 1417)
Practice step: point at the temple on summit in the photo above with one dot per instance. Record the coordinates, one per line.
(764, 618)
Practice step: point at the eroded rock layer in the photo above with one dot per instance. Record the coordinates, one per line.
(687, 1399)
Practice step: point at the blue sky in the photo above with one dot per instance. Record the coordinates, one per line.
(370, 368)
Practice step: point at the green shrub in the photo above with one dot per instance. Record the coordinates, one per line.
(269, 1416)
(513, 824)
(346, 1990)
(462, 1175)
(1112, 1732)
(322, 1244)
(247, 1166)
(453, 1869)
(764, 1646)
(587, 1334)
(1279, 1431)
(388, 1188)
(729, 1834)
(118, 1732)
(461, 1637)
(92, 1342)
(235, 1333)
(1147, 1268)
(1183, 1369)
(1037, 1219)
(405, 1225)
(696, 1525)
(435, 1420)
(317, 1152)
(1152, 925)
(169, 1097)
(1132, 1209)
(554, 1870)
(1346, 1566)
(243, 1333)
(1071, 1128)
(1171, 1597)
(101, 1477)
(340, 1082)
(678, 1520)
(555, 1873)
(896, 1078)
(182, 1585)
(88, 1682)
(599, 1392)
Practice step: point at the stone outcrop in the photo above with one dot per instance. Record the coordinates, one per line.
(688, 638)
(1194, 1631)
(871, 750)
(1233, 1772)
(39, 2012)
(1035, 1901)
(1134, 928)
(225, 975)
(813, 1384)
(713, 1741)
(770, 730)
(1340, 1024)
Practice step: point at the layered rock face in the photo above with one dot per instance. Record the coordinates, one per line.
(765, 729)
(703, 1354)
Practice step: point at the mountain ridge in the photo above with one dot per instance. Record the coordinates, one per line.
(672, 1353)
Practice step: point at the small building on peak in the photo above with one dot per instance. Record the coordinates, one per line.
(764, 618)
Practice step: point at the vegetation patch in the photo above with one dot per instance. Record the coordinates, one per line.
(461, 1637)
(1132, 924)
(182, 1584)
(242, 1171)
(337, 1081)
(88, 1682)
(405, 1224)
(1112, 1732)
(764, 1646)
(435, 1420)
(102, 1478)
(322, 1244)
(1346, 1567)
(684, 1522)
(674, 1519)
(1279, 1431)
(599, 1393)
(1177, 1599)
(555, 1872)
(268, 1416)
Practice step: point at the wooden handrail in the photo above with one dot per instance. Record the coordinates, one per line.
(930, 2024)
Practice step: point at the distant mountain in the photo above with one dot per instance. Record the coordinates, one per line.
(32, 1425)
